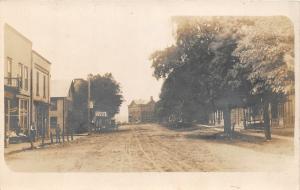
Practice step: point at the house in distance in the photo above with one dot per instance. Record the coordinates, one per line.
(141, 111)
(61, 107)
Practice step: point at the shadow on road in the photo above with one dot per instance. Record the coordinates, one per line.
(221, 137)
(110, 131)
(184, 129)
(250, 141)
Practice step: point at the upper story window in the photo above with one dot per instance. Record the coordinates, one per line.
(48, 86)
(9, 70)
(37, 83)
(53, 106)
(20, 75)
(44, 86)
(25, 78)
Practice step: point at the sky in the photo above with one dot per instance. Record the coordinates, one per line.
(80, 39)
(99, 36)
(94, 38)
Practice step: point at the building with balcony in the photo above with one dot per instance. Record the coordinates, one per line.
(26, 84)
(17, 76)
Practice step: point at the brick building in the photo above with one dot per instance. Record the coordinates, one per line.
(141, 111)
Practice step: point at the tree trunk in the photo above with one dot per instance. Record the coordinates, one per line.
(227, 121)
(72, 133)
(219, 117)
(245, 118)
(266, 118)
(43, 135)
(214, 118)
(51, 137)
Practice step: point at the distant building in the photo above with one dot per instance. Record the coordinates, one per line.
(61, 106)
(141, 111)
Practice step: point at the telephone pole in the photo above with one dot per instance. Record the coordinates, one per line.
(88, 104)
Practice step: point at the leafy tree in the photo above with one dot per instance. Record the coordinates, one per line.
(79, 111)
(223, 63)
(200, 71)
(267, 47)
(106, 93)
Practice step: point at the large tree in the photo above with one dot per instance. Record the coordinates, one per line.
(200, 71)
(268, 48)
(223, 63)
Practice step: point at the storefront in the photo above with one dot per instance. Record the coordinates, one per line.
(41, 119)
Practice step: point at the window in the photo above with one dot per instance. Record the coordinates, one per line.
(23, 113)
(37, 83)
(9, 70)
(20, 75)
(25, 78)
(53, 105)
(53, 122)
(44, 86)
(48, 86)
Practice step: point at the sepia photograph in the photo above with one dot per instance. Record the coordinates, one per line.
(106, 88)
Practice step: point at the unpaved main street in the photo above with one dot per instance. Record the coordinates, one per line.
(151, 147)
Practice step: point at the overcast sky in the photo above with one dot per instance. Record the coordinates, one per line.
(98, 36)
(87, 38)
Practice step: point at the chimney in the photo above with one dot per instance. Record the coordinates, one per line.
(151, 98)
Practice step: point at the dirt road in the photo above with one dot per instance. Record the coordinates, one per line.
(151, 147)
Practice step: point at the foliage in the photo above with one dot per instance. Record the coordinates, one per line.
(222, 63)
(268, 49)
(199, 70)
(106, 93)
(79, 111)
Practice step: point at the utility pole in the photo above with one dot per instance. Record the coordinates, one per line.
(63, 130)
(88, 103)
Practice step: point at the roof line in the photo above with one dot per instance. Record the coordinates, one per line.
(18, 33)
(58, 97)
(33, 51)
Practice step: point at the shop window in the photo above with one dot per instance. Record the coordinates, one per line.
(37, 84)
(9, 70)
(53, 106)
(25, 78)
(20, 75)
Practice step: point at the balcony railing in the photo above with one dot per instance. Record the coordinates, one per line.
(12, 82)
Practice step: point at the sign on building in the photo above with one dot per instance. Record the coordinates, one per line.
(91, 105)
(100, 114)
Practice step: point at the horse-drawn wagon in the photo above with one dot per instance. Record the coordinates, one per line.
(102, 122)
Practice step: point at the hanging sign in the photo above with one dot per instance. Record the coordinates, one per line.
(100, 114)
